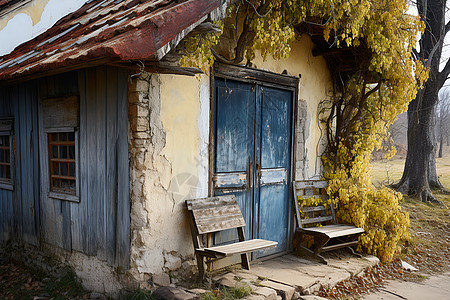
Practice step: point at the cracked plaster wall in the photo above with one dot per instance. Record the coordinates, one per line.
(169, 124)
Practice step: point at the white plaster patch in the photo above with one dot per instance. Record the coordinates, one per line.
(172, 262)
(95, 274)
(17, 32)
(21, 28)
(150, 261)
(203, 128)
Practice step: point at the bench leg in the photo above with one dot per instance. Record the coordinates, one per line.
(354, 253)
(200, 265)
(319, 242)
(244, 261)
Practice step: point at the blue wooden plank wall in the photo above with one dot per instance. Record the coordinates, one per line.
(20, 209)
(99, 224)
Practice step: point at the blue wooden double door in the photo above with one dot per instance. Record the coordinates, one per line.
(252, 157)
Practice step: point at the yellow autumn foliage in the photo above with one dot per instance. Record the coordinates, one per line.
(363, 107)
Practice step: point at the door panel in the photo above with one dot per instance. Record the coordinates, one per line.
(234, 147)
(252, 157)
(273, 184)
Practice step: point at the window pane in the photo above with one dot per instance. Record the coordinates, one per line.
(63, 151)
(63, 162)
(72, 170)
(64, 170)
(72, 152)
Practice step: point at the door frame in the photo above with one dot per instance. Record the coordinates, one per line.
(263, 78)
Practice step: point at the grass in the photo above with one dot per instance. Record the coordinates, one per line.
(140, 295)
(229, 293)
(385, 172)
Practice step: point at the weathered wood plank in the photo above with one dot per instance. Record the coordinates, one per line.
(303, 184)
(100, 103)
(244, 73)
(308, 209)
(111, 164)
(59, 112)
(241, 247)
(219, 223)
(211, 202)
(273, 176)
(79, 211)
(123, 182)
(92, 196)
(230, 180)
(227, 210)
(336, 232)
(18, 124)
(51, 220)
(317, 220)
(338, 246)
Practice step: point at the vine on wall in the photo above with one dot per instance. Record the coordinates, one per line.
(363, 106)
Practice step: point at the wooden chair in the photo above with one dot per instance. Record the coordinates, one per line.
(320, 221)
(209, 215)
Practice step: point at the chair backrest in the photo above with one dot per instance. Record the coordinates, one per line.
(215, 213)
(304, 189)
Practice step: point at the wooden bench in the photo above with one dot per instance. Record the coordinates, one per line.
(320, 221)
(209, 215)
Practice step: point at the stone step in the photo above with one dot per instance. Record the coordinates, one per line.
(285, 291)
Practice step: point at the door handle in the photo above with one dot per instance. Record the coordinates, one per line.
(258, 170)
(250, 173)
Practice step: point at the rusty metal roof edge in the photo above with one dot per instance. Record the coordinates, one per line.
(112, 51)
(217, 14)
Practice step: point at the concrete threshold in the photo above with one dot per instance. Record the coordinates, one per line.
(291, 277)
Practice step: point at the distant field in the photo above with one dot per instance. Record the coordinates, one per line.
(389, 171)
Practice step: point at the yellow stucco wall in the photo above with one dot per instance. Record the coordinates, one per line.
(180, 109)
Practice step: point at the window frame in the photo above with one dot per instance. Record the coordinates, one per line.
(6, 129)
(56, 194)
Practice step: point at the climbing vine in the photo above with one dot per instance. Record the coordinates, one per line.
(364, 104)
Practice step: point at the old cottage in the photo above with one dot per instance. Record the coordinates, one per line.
(103, 136)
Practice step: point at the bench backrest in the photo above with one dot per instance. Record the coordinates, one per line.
(304, 189)
(215, 213)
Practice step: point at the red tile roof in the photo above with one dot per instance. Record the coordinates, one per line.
(107, 30)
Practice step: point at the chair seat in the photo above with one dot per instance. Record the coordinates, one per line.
(333, 231)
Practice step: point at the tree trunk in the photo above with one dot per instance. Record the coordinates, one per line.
(441, 145)
(419, 174)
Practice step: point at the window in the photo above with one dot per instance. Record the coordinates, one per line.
(60, 118)
(5, 159)
(61, 149)
(6, 153)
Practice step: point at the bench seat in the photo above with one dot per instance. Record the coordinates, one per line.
(335, 230)
(238, 248)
